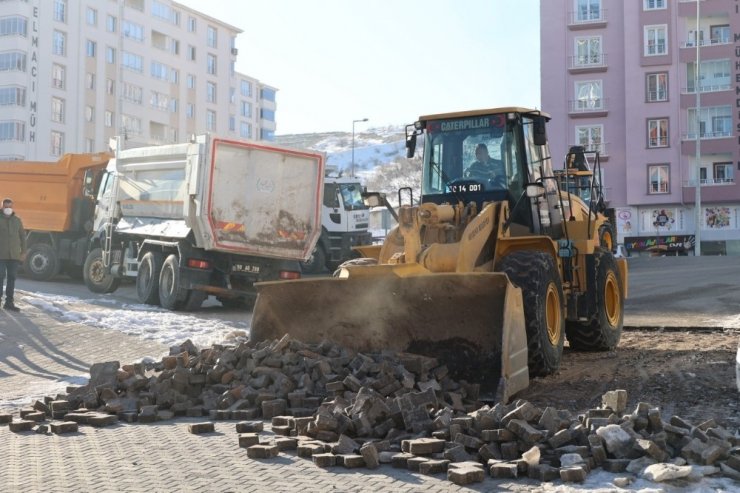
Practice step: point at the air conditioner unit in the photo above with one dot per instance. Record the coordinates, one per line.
(234, 51)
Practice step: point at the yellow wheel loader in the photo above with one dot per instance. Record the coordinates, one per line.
(486, 272)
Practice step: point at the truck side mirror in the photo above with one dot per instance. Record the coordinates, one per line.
(539, 130)
(410, 145)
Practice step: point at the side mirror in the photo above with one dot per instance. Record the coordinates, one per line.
(534, 190)
(540, 130)
(410, 145)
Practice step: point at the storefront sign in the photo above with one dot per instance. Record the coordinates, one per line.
(671, 243)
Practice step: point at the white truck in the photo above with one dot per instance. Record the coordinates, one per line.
(344, 224)
(209, 217)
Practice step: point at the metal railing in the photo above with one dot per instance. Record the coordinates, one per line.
(724, 40)
(710, 181)
(577, 18)
(588, 105)
(597, 60)
(708, 88)
(719, 134)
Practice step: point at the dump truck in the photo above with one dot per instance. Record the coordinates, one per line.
(56, 201)
(488, 274)
(207, 217)
(344, 224)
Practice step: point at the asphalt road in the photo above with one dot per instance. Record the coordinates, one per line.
(663, 292)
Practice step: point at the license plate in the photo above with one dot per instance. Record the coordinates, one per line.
(245, 268)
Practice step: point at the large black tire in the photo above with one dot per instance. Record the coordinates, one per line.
(542, 291)
(41, 263)
(607, 239)
(147, 278)
(194, 299)
(172, 296)
(316, 263)
(97, 279)
(606, 318)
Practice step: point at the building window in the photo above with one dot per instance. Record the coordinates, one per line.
(211, 65)
(266, 134)
(13, 26)
(91, 16)
(89, 145)
(715, 122)
(110, 86)
(190, 81)
(590, 137)
(657, 132)
(719, 34)
(12, 61)
(212, 37)
(653, 4)
(192, 24)
(12, 96)
(60, 10)
(90, 81)
(657, 87)
(232, 95)
(655, 40)
(57, 143)
(59, 43)
(588, 51)
(588, 95)
(132, 62)
(191, 52)
(232, 123)
(266, 114)
(12, 130)
(174, 76)
(58, 76)
(174, 106)
(89, 114)
(110, 54)
(189, 110)
(108, 118)
(658, 178)
(246, 109)
(132, 93)
(133, 30)
(57, 110)
(244, 130)
(246, 88)
(267, 94)
(165, 12)
(131, 125)
(723, 172)
(110, 24)
(90, 48)
(210, 120)
(714, 75)
(159, 101)
(210, 92)
(159, 71)
(588, 10)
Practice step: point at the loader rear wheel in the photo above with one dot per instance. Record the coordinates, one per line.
(147, 278)
(97, 279)
(604, 327)
(542, 292)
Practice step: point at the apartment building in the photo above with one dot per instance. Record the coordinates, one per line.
(620, 77)
(74, 73)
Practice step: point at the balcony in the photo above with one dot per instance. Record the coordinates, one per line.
(707, 88)
(724, 40)
(588, 107)
(587, 63)
(719, 134)
(710, 182)
(587, 20)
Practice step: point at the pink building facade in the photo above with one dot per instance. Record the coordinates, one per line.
(619, 76)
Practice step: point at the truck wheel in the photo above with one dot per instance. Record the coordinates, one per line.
(542, 292)
(147, 278)
(316, 263)
(41, 262)
(604, 328)
(194, 299)
(606, 238)
(171, 296)
(97, 279)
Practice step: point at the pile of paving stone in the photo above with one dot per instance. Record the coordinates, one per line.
(342, 408)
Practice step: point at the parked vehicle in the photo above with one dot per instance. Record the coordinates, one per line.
(209, 217)
(56, 202)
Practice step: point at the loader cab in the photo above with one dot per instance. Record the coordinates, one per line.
(517, 155)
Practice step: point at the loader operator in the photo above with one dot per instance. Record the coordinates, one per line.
(486, 168)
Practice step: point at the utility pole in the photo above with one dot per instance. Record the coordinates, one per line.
(699, 217)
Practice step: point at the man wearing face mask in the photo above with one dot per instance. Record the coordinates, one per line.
(12, 250)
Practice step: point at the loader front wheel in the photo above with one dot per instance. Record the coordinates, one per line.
(542, 292)
(147, 278)
(604, 328)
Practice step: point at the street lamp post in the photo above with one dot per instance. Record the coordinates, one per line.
(352, 173)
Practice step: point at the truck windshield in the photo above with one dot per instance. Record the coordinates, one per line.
(351, 196)
(472, 154)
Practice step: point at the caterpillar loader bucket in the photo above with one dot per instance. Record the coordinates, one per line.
(471, 322)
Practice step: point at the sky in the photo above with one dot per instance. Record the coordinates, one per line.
(390, 61)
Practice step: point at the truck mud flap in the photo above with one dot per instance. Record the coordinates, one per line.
(472, 322)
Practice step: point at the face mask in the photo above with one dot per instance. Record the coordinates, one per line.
(8, 211)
